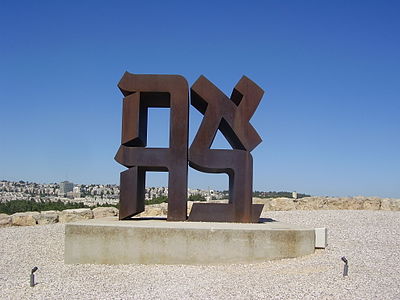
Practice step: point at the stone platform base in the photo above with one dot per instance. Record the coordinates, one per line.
(156, 241)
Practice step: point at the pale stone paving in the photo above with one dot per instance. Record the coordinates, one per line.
(369, 240)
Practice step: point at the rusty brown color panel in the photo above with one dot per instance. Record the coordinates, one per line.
(220, 212)
(142, 92)
(231, 116)
(132, 187)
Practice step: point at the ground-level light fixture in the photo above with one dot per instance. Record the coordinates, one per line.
(33, 276)
(346, 267)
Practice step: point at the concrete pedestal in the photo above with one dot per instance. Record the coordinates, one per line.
(109, 241)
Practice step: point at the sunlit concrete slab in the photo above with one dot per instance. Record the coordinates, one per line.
(156, 241)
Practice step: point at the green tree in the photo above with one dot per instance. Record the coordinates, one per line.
(197, 197)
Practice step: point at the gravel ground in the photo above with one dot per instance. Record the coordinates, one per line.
(369, 239)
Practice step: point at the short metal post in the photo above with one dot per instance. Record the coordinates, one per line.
(346, 267)
(33, 276)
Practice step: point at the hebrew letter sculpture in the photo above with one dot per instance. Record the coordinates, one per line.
(231, 117)
(142, 92)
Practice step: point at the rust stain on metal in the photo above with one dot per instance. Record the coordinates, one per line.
(142, 92)
(230, 115)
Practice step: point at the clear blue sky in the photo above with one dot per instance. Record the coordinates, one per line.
(330, 118)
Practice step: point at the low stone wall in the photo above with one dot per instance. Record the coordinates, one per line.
(308, 203)
(31, 218)
(50, 217)
(329, 203)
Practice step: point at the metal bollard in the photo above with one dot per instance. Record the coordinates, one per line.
(346, 267)
(33, 276)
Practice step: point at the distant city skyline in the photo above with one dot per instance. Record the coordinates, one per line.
(94, 183)
(329, 118)
(92, 194)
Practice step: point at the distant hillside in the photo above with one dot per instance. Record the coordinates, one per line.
(259, 194)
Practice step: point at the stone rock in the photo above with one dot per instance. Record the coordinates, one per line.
(386, 204)
(372, 203)
(396, 204)
(310, 203)
(25, 219)
(354, 203)
(48, 217)
(281, 204)
(102, 212)
(332, 203)
(5, 220)
(73, 215)
(155, 210)
(344, 203)
(390, 204)
(335, 203)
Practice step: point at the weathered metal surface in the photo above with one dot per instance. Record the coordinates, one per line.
(132, 187)
(142, 92)
(230, 115)
(220, 212)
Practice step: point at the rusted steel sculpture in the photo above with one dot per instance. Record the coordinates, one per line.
(142, 92)
(230, 115)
